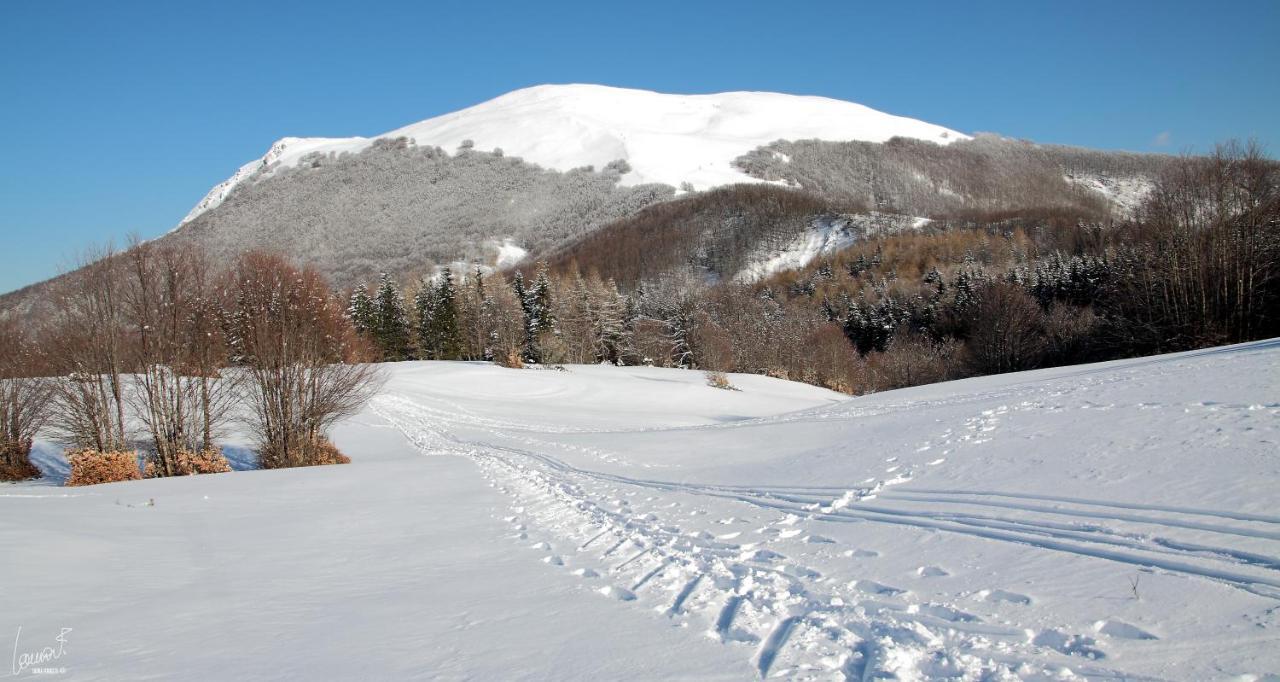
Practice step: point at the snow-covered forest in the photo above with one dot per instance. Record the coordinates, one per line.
(1199, 266)
(400, 208)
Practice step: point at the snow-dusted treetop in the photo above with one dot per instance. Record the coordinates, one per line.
(671, 139)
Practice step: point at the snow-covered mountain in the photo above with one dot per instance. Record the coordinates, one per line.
(667, 139)
(535, 173)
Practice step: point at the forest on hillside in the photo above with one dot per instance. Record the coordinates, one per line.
(975, 294)
(190, 342)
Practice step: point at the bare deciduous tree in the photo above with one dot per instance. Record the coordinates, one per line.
(89, 345)
(180, 394)
(24, 401)
(302, 360)
(1006, 336)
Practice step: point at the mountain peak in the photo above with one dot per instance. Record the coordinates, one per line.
(664, 138)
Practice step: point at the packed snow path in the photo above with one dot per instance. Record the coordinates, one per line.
(784, 566)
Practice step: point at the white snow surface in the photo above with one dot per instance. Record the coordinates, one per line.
(1110, 521)
(1125, 193)
(825, 236)
(665, 138)
(509, 253)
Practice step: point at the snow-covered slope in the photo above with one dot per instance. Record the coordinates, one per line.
(1125, 193)
(1112, 521)
(827, 235)
(669, 139)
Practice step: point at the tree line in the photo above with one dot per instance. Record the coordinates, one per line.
(971, 295)
(158, 332)
(155, 348)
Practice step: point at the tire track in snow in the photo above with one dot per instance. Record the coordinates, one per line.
(1237, 516)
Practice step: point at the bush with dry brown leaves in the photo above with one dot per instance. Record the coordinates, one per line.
(719, 380)
(318, 452)
(15, 461)
(91, 467)
(188, 463)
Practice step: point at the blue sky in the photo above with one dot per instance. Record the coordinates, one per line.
(118, 117)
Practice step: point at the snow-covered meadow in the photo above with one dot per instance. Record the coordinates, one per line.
(1119, 520)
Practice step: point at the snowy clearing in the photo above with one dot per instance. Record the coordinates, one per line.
(827, 235)
(1125, 193)
(1106, 521)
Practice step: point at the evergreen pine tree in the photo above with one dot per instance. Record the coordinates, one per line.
(610, 325)
(424, 306)
(360, 311)
(538, 317)
(391, 322)
(444, 328)
(530, 350)
(521, 291)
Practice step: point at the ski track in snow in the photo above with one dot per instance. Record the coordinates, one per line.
(624, 535)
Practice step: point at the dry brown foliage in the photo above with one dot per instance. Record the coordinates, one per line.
(189, 463)
(15, 461)
(91, 467)
(510, 359)
(318, 452)
(719, 380)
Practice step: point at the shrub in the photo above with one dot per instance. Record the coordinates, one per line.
(303, 362)
(18, 471)
(510, 359)
(719, 380)
(318, 452)
(15, 461)
(328, 453)
(91, 467)
(188, 463)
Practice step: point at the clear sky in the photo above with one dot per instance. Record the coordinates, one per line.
(117, 117)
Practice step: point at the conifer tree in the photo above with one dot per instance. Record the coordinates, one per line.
(609, 324)
(360, 311)
(391, 322)
(536, 302)
(445, 336)
(529, 350)
(424, 306)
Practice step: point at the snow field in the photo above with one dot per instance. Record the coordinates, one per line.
(1104, 521)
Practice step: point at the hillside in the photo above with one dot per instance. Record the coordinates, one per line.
(534, 173)
(743, 232)
(1100, 521)
(987, 173)
(663, 138)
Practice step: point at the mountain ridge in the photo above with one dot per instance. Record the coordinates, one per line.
(664, 138)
